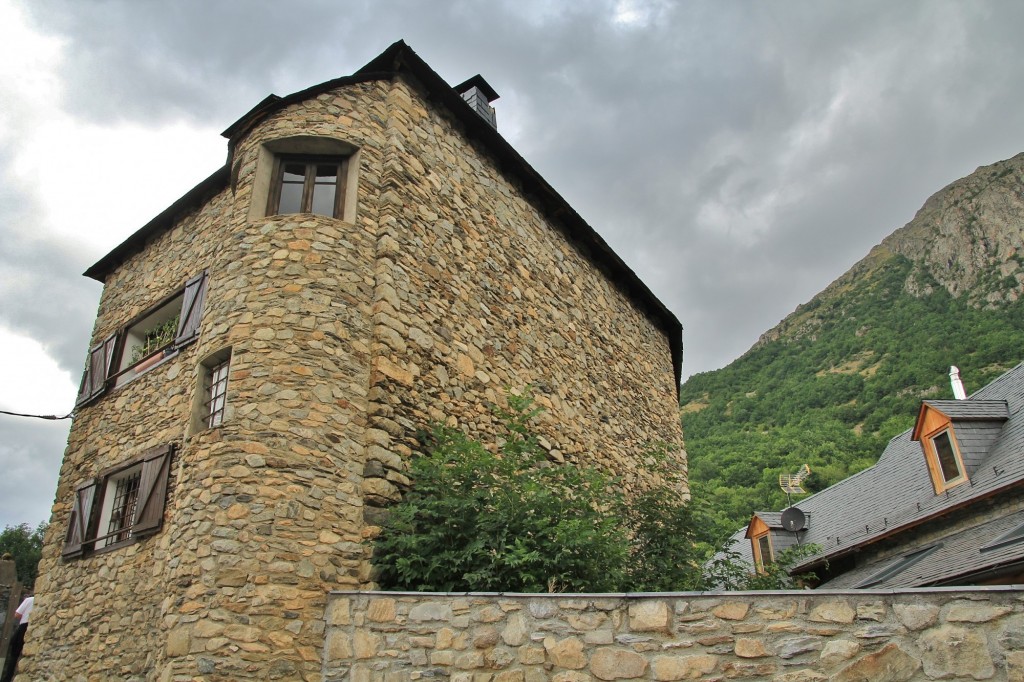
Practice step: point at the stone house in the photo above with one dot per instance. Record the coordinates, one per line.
(372, 257)
(942, 506)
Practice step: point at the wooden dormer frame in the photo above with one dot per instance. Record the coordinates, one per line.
(932, 424)
(756, 531)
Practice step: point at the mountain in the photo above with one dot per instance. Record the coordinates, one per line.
(831, 383)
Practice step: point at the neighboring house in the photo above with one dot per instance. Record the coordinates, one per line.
(944, 505)
(373, 257)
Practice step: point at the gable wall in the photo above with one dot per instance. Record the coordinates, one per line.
(479, 293)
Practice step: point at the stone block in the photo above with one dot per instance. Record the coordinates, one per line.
(731, 610)
(750, 648)
(649, 615)
(889, 664)
(916, 616)
(617, 664)
(951, 651)
(566, 653)
(668, 668)
(833, 612)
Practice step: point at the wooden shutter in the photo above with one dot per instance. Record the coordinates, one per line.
(81, 517)
(99, 367)
(149, 512)
(191, 310)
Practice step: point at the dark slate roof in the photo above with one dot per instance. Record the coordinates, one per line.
(397, 59)
(972, 409)
(897, 493)
(957, 557)
(771, 519)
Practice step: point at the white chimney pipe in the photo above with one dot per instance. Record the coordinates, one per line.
(958, 386)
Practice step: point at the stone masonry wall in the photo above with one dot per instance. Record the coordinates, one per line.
(477, 293)
(441, 289)
(794, 636)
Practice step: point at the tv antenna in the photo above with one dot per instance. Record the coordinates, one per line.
(792, 484)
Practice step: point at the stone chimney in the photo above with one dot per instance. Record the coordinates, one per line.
(479, 95)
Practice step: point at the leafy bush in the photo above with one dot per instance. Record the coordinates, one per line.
(506, 519)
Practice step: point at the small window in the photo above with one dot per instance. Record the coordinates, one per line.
(1011, 537)
(120, 502)
(120, 505)
(763, 551)
(308, 185)
(897, 567)
(944, 460)
(210, 406)
(948, 464)
(158, 333)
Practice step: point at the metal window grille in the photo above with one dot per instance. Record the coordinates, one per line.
(216, 393)
(122, 510)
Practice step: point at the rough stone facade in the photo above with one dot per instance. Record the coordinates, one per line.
(444, 287)
(795, 636)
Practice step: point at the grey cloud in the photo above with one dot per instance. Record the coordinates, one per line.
(815, 127)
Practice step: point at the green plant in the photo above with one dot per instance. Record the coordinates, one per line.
(156, 338)
(505, 519)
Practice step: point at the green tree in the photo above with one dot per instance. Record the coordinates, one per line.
(26, 546)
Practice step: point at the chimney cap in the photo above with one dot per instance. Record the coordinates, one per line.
(478, 82)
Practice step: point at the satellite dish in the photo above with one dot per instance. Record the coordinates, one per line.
(793, 519)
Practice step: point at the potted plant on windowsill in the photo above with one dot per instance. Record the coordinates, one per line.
(157, 339)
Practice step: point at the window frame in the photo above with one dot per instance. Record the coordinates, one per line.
(92, 505)
(310, 161)
(106, 368)
(202, 418)
(935, 467)
(759, 561)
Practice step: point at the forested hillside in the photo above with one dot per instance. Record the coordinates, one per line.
(847, 371)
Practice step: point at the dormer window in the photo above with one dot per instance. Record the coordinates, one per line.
(944, 461)
(763, 556)
(947, 457)
(953, 459)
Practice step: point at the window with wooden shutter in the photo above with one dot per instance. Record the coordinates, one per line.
(123, 504)
(191, 310)
(149, 511)
(78, 523)
(98, 369)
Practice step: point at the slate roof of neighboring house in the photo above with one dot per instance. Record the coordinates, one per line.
(400, 58)
(897, 493)
(771, 519)
(959, 554)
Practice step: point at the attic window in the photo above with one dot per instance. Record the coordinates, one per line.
(897, 567)
(1010, 537)
(763, 551)
(944, 460)
(305, 174)
(314, 184)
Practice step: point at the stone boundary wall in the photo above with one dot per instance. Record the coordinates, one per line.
(790, 636)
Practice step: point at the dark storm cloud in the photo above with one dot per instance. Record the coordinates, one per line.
(739, 157)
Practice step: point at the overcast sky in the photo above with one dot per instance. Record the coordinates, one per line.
(739, 156)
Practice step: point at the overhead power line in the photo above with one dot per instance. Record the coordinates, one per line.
(37, 416)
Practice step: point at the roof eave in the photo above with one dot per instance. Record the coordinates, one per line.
(188, 202)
